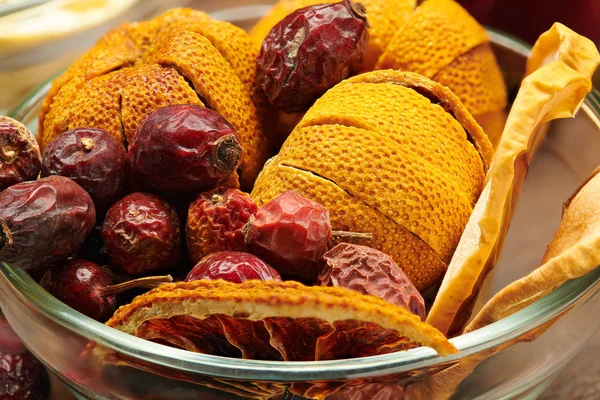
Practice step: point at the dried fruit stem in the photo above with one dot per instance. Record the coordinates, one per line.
(358, 9)
(6, 239)
(87, 143)
(227, 153)
(349, 237)
(149, 282)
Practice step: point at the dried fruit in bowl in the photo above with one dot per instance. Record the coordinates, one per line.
(180, 57)
(435, 38)
(393, 154)
(264, 320)
(561, 65)
(20, 158)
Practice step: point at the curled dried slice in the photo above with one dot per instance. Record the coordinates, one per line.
(262, 320)
(554, 90)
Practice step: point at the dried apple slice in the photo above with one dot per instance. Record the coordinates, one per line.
(556, 89)
(263, 320)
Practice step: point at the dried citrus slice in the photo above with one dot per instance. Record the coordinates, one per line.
(263, 320)
(182, 56)
(398, 147)
(385, 17)
(555, 90)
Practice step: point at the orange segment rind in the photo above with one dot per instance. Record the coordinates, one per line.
(254, 302)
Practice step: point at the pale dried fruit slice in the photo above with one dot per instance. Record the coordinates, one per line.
(225, 318)
(385, 17)
(555, 90)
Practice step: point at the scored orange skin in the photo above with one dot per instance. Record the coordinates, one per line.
(418, 260)
(216, 58)
(257, 300)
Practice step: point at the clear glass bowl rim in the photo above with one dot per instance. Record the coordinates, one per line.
(505, 330)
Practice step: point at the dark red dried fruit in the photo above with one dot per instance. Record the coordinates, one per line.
(310, 51)
(370, 271)
(183, 149)
(22, 377)
(88, 287)
(91, 157)
(141, 234)
(215, 221)
(290, 233)
(232, 266)
(43, 222)
(20, 158)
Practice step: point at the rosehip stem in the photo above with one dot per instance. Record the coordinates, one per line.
(6, 239)
(227, 153)
(358, 9)
(338, 237)
(149, 282)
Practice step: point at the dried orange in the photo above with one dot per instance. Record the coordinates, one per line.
(264, 320)
(391, 153)
(180, 57)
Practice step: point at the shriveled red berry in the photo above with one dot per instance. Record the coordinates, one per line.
(215, 221)
(91, 157)
(141, 234)
(22, 377)
(370, 271)
(43, 222)
(232, 266)
(20, 158)
(310, 51)
(183, 149)
(290, 233)
(88, 287)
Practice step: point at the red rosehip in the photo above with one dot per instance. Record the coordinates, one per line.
(183, 149)
(43, 222)
(91, 157)
(20, 158)
(370, 271)
(23, 377)
(141, 234)
(310, 51)
(232, 266)
(215, 221)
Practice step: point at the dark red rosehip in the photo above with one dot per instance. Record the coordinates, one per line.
(215, 221)
(183, 149)
(91, 157)
(290, 233)
(20, 158)
(310, 51)
(22, 377)
(370, 271)
(44, 221)
(88, 287)
(141, 234)
(232, 266)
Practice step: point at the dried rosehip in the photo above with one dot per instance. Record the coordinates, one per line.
(232, 266)
(183, 149)
(141, 234)
(44, 221)
(22, 377)
(91, 157)
(88, 287)
(215, 221)
(370, 271)
(291, 233)
(310, 51)
(20, 158)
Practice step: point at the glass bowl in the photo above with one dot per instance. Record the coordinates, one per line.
(60, 336)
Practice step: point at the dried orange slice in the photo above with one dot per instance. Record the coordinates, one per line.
(392, 153)
(180, 57)
(565, 62)
(265, 320)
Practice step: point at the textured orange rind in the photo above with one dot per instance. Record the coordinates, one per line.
(258, 319)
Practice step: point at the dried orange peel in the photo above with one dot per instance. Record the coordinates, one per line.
(391, 153)
(265, 319)
(556, 89)
(435, 38)
(180, 57)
